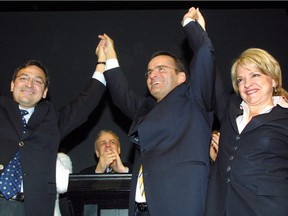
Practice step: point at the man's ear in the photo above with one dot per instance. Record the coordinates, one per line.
(45, 93)
(97, 153)
(181, 77)
(12, 86)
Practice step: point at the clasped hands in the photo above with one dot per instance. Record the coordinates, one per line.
(105, 49)
(110, 159)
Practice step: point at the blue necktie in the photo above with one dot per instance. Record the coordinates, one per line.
(11, 178)
(23, 113)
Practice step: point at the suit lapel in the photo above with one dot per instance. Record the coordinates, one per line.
(234, 112)
(276, 113)
(38, 115)
(13, 113)
(148, 105)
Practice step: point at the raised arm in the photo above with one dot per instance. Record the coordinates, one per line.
(107, 45)
(100, 52)
(202, 65)
(195, 14)
(123, 97)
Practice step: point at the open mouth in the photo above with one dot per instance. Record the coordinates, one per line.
(251, 91)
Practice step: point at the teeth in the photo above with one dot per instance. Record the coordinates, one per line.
(250, 92)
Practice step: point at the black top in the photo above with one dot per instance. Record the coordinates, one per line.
(91, 169)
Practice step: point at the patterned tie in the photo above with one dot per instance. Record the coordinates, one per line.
(23, 113)
(11, 178)
(141, 182)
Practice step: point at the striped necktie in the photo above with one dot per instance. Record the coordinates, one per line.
(141, 182)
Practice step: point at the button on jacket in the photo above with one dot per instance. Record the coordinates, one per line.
(172, 137)
(39, 145)
(250, 176)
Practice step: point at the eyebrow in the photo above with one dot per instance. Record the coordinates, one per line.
(36, 76)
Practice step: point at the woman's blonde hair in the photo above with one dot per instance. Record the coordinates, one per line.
(262, 61)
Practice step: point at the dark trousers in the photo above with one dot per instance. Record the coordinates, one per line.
(11, 208)
(138, 212)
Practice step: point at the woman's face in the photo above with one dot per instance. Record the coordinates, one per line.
(255, 88)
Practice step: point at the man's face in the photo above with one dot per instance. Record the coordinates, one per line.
(107, 142)
(29, 86)
(163, 77)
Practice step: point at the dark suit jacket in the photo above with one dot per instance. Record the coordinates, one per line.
(250, 176)
(172, 137)
(38, 147)
(91, 169)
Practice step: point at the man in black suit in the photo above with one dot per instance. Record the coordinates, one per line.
(38, 146)
(171, 128)
(107, 149)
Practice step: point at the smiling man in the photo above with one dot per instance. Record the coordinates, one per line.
(32, 141)
(171, 127)
(29, 85)
(165, 72)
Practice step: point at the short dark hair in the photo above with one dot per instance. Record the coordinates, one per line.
(179, 63)
(33, 63)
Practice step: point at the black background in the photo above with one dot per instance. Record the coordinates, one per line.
(63, 35)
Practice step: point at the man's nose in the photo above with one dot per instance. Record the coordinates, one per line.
(30, 82)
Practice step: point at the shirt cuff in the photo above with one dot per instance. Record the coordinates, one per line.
(186, 21)
(112, 63)
(100, 77)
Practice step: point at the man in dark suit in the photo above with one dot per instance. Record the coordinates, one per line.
(107, 149)
(171, 128)
(38, 146)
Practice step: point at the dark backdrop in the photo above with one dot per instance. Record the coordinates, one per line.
(63, 35)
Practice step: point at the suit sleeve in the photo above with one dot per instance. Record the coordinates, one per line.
(202, 66)
(77, 111)
(123, 97)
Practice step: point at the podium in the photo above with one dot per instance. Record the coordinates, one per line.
(108, 191)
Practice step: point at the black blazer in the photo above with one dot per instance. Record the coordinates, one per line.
(91, 169)
(250, 176)
(172, 137)
(38, 147)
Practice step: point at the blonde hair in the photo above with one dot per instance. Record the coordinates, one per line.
(262, 61)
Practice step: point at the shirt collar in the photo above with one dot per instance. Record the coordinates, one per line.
(277, 100)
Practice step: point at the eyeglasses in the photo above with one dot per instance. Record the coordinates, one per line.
(159, 69)
(26, 79)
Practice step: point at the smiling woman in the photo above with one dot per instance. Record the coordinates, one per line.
(253, 145)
